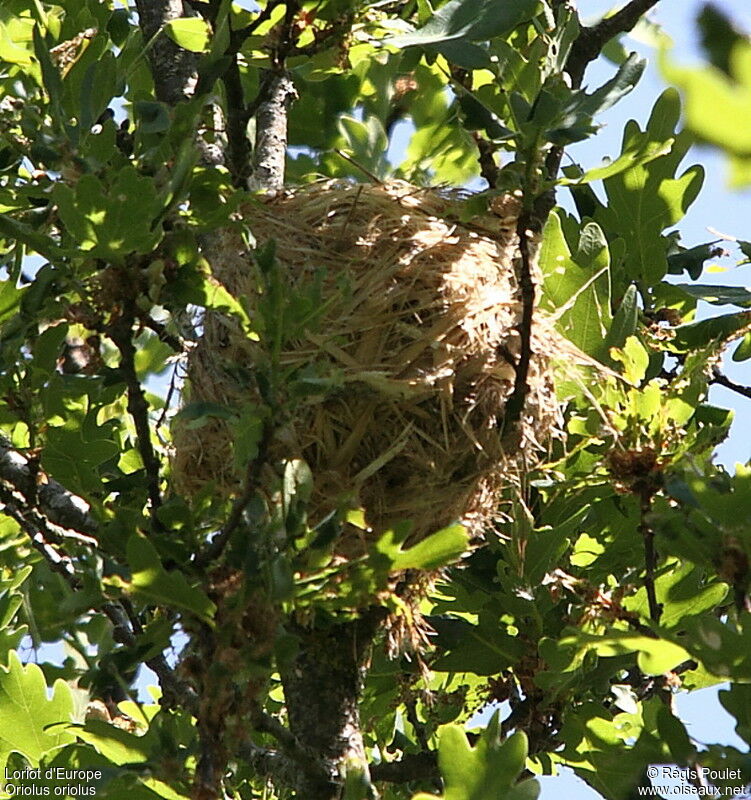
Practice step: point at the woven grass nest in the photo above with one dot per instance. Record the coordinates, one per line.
(419, 322)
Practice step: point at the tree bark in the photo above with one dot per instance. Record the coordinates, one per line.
(59, 505)
(174, 68)
(270, 154)
(322, 688)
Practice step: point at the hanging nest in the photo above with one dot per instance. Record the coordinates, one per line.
(414, 344)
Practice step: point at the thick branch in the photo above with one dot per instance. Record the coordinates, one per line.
(277, 91)
(296, 752)
(322, 692)
(271, 764)
(58, 504)
(174, 68)
(239, 154)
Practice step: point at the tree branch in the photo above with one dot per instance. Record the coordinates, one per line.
(410, 767)
(720, 379)
(173, 68)
(650, 554)
(271, 764)
(121, 333)
(585, 49)
(58, 504)
(265, 723)
(590, 41)
(277, 91)
(252, 475)
(239, 153)
(514, 410)
(175, 342)
(33, 525)
(176, 692)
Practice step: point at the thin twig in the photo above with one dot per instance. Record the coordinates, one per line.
(366, 172)
(515, 403)
(36, 528)
(265, 723)
(722, 380)
(252, 477)
(138, 408)
(168, 399)
(586, 48)
(175, 342)
(650, 555)
(176, 692)
(32, 525)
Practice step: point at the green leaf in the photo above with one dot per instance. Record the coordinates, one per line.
(10, 297)
(577, 289)
(624, 80)
(115, 744)
(487, 771)
(50, 76)
(35, 241)
(737, 701)
(718, 36)
(366, 143)
(646, 199)
(691, 260)
(27, 712)
(196, 415)
(100, 217)
(483, 649)
(711, 95)
(154, 583)
(719, 295)
(73, 458)
(211, 294)
(191, 34)
(625, 319)
(635, 360)
(437, 550)
(654, 656)
(11, 51)
(743, 351)
(717, 329)
(639, 150)
(153, 116)
(473, 20)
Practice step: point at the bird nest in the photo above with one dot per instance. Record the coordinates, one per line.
(412, 346)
